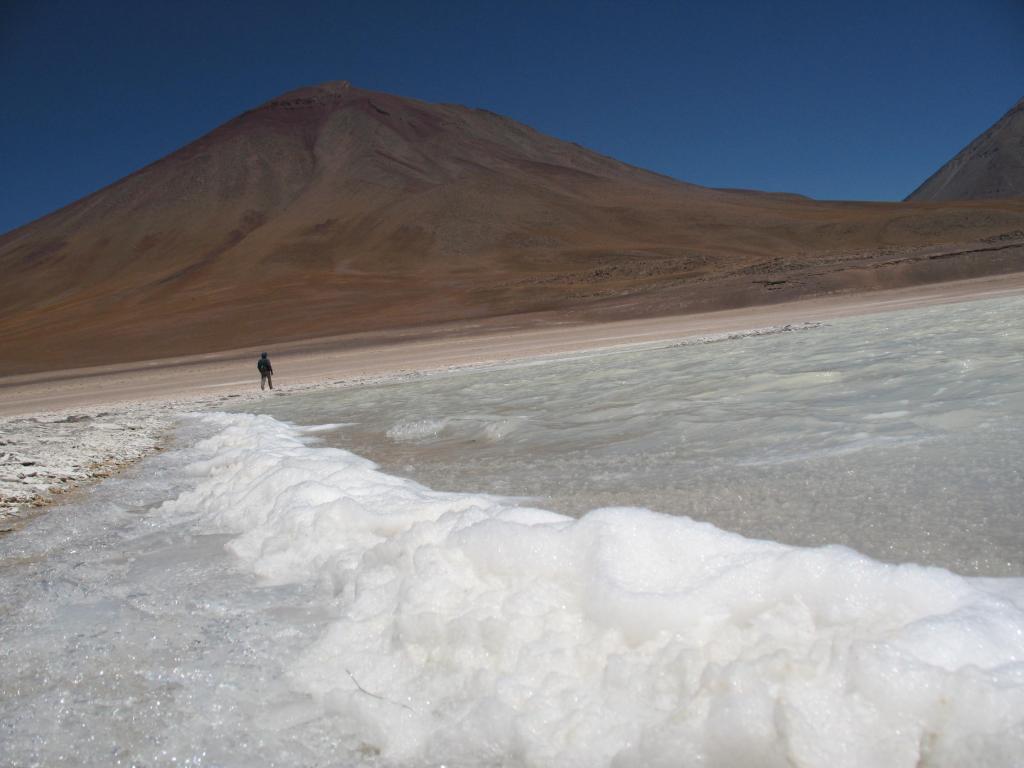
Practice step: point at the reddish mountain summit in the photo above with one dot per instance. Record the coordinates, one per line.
(331, 210)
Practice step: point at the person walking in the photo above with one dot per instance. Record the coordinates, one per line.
(266, 371)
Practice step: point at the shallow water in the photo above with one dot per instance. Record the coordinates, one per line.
(899, 435)
(256, 597)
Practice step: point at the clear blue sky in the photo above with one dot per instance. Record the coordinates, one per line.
(852, 100)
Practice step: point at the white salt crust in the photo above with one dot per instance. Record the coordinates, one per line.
(472, 631)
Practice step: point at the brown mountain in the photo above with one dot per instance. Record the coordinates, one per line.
(332, 210)
(991, 166)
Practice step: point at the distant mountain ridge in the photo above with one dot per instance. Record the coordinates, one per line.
(334, 210)
(991, 166)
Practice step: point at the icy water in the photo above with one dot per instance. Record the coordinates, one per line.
(900, 435)
(265, 594)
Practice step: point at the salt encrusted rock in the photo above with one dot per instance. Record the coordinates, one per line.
(54, 452)
(46, 455)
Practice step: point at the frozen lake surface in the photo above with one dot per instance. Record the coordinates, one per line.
(265, 594)
(900, 435)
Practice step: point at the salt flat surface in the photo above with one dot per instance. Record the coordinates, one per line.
(255, 596)
(358, 618)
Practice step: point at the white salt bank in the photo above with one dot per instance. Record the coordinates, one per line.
(257, 597)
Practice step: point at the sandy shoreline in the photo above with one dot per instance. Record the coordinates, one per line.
(60, 430)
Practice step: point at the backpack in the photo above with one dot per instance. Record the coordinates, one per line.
(262, 365)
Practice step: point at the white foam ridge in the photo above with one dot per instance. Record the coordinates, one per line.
(420, 429)
(472, 631)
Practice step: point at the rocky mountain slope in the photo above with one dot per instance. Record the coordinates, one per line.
(991, 166)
